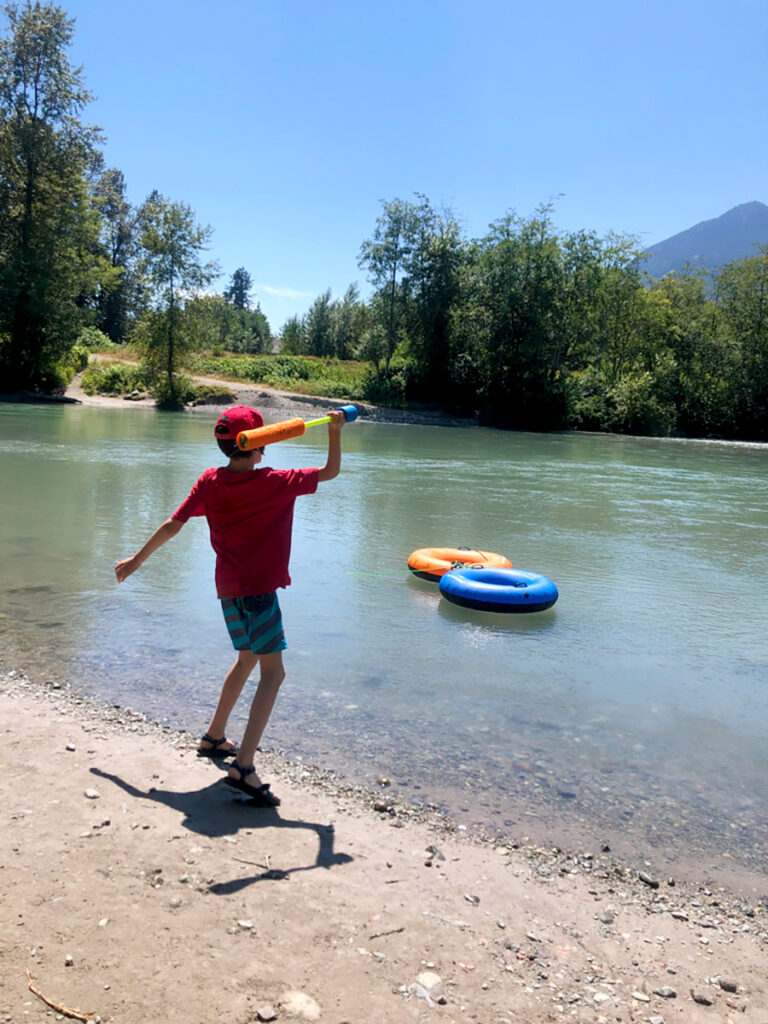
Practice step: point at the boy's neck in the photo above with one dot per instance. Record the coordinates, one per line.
(241, 465)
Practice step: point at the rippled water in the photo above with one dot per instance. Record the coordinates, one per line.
(635, 710)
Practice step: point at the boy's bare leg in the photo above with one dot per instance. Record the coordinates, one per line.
(272, 675)
(230, 691)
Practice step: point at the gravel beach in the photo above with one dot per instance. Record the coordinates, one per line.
(136, 885)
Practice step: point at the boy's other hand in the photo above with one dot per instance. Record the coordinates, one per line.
(125, 568)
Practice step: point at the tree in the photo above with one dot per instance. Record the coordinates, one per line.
(118, 242)
(48, 227)
(742, 298)
(318, 326)
(348, 321)
(511, 320)
(293, 337)
(172, 246)
(432, 283)
(217, 325)
(385, 257)
(238, 292)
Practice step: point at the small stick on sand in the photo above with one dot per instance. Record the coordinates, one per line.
(252, 863)
(83, 1015)
(392, 931)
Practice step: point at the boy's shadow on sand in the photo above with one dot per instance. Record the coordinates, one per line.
(205, 814)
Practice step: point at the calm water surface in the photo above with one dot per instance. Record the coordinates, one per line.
(634, 711)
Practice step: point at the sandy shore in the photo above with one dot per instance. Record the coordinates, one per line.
(135, 884)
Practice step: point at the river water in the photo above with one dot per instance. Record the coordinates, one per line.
(634, 712)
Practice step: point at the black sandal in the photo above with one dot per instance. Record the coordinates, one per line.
(260, 795)
(215, 750)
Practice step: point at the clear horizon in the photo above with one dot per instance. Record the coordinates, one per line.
(285, 126)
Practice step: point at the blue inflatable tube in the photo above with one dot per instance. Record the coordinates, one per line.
(499, 590)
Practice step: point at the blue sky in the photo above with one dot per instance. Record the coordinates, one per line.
(284, 123)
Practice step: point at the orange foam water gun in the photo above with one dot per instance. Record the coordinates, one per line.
(247, 440)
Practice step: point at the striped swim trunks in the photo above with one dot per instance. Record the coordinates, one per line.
(254, 623)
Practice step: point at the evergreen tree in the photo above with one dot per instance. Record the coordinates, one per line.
(238, 294)
(118, 240)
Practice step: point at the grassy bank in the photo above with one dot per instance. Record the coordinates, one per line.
(120, 374)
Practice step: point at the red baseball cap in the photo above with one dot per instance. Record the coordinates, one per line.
(231, 422)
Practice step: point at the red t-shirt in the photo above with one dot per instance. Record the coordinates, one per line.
(250, 516)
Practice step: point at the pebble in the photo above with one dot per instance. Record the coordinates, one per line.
(701, 997)
(266, 1012)
(245, 925)
(648, 880)
(666, 992)
(607, 917)
(641, 997)
(70, 746)
(728, 984)
(470, 898)
(92, 794)
(300, 1005)
(69, 960)
(429, 987)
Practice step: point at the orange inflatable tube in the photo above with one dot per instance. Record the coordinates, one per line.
(433, 563)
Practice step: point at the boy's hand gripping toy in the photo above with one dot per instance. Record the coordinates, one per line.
(250, 439)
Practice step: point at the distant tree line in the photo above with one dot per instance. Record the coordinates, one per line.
(79, 264)
(526, 327)
(535, 329)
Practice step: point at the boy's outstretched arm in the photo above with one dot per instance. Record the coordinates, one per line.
(333, 463)
(164, 532)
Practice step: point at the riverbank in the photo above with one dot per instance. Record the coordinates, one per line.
(135, 884)
(274, 402)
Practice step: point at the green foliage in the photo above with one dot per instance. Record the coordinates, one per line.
(48, 227)
(238, 294)
(94, 340)
(173, 394)
(120, 287)
(114, 379)
(213, 394)
(308, 375)
(742, 299)
(639, 406)
(387, 388)
(331, 327)
(172, 245)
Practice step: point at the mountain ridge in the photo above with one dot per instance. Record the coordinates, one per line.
(709, 244)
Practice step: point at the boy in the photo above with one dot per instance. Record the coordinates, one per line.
(250, 517)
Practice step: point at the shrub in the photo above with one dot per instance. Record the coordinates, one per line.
(113, 379)
(94, 340)
(385, 390)
(213, 394)
(639, 409)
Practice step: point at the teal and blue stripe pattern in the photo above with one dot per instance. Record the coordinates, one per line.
(254, 623)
